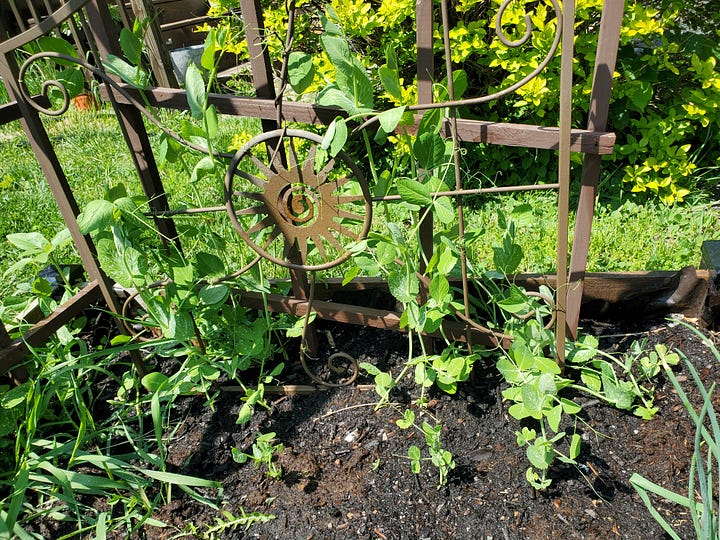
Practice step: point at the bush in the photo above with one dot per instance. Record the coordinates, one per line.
(666, 99)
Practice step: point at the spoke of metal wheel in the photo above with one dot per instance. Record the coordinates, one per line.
(264, 223)
(254, 195)
(292, 154)
(273, 236)
(345, 214)
(332, 240)
(343, 230)
(252, 211)
(254, 180)
(262, 167)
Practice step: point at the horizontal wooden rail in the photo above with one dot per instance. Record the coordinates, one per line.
(362, 316)
(519, 135)
(39, 333)
(9, 112)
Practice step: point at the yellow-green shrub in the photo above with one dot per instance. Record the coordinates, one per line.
(666, 98)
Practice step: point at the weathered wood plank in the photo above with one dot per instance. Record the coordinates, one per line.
(523, 135)
(38, 334)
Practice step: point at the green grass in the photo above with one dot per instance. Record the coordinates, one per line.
(626, 235)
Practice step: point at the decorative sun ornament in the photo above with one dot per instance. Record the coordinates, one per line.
(296, 206)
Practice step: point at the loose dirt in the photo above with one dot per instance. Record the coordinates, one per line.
(346, 474)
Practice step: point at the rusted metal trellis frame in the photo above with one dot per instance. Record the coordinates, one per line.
(593, 142)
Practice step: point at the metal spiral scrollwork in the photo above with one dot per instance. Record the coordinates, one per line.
(116, 87)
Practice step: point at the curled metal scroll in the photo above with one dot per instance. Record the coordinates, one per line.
(101, 74)
(354, 366)
(529, 314)
(509, 43)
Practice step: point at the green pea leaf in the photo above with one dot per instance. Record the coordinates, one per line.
(301, 71)
(429, 150)
(391, 118)
(414, 192)
(196, 92)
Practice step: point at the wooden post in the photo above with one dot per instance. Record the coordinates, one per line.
(159, 56)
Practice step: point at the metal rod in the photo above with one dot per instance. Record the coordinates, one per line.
(476, 191)
(456, 167)
(566, 66)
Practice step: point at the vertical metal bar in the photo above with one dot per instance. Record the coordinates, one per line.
(456, 166)
(599, 104)
(263, 81)
(104, 40)
(18, 18)
(425, 68)
(566, 66)
(259, 58)
(31, 7)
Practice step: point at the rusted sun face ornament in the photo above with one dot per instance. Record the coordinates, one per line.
(296, 206)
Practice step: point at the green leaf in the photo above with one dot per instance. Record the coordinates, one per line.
(203, 168)
(444, 210)
(370, 368)
(514, 300)
(332, 96)
(414, 455)
(127, 73)
(575, 443)
(41, 287)
(336, 48)
(619, 393)
(207, 61)
(431, 122)
(507, 258)
(131, 46)
(439, 288)
(339, 138)
(570, 407)
(73, 80)
(547, 366)
(208, 265)
(554, 416)
(350, 274)
(211, 121)
(58, 45)
(97, 216)
(429, 150)
(591, 379)
(301, 71)
(353, 81)
(414, 192)
(61, 239)
(403, 287)
(390, 81)
(533, 399)
(153, 381)
(30, 243)
(407, 420)
(508, 370)
(391, 118)
(519, 411)
(446, 261)
(196, 92)
(540, 454)
(212, 295)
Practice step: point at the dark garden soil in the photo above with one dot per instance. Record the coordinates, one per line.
(345, 474)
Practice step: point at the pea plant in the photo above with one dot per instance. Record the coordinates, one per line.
(537, 389)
